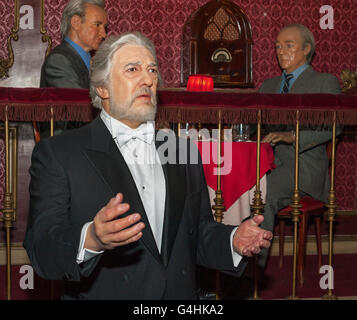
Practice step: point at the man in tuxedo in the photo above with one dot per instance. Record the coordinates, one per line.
(295, 46)
(109, 214)
(83, 27)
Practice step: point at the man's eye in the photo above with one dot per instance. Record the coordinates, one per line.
(153, 70)
(131, 69)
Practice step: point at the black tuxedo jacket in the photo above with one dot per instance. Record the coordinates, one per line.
(73, 175)
(64, 68)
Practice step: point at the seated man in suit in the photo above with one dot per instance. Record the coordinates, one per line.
(109, 213)
(83, 27)
(295, 46)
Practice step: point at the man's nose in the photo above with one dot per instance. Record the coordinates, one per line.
(147, 78)
(280, 51)
(103, 32)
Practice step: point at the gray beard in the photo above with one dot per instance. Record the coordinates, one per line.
(126, 111)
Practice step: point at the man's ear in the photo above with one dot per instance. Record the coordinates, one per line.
(76, 21)
(307, 49)
(102, 92)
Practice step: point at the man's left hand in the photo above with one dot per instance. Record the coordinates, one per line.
(249, 239)
(278, 137)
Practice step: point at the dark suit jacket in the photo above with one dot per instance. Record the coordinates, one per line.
(73, 175)
(64, 68)
(313, 161)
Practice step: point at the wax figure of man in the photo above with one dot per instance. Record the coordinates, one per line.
(295, 46)
(108, 214)
(83, 27)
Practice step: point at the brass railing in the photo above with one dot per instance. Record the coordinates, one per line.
(10, 194)
(336, 110)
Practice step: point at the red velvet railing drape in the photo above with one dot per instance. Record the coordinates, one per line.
(34, 104)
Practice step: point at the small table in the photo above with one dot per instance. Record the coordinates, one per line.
(238, 175)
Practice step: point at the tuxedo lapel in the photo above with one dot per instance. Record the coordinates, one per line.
(108, 161)
(175, 180)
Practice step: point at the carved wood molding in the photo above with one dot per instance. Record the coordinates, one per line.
(45, 36)
(349, 79)
(6, 64)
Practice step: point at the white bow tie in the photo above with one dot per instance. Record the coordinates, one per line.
(144, 132)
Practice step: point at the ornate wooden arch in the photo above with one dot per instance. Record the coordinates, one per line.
(217, 41)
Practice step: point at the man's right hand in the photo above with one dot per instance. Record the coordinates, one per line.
(107, 232)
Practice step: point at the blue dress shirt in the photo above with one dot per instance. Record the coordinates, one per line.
(296, 73)
(84, 54)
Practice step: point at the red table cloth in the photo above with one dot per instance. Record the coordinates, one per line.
(240, 158)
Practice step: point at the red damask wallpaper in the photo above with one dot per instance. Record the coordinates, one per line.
(163, 20)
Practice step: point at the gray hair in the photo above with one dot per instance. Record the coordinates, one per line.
(101, 64)
(307, 38)
(76, 7)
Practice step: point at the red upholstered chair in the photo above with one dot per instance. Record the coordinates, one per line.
(310, 208)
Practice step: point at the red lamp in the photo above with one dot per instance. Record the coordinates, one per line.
(200, 82)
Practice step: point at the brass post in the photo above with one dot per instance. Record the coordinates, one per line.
(199, 127)
(295, 213)
(52, 134)
(52, 122)
(218, 207)
(331, 208)
(8, 206)
(14, 172)
(257, 205)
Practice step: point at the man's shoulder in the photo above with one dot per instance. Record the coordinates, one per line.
(63, 50)
(318, 82)
(64, 46)
(269, 85)
(272, 80)
(71, 139)
(323, 75)
(310, 72)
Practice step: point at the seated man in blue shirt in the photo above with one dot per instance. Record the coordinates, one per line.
(83, 27)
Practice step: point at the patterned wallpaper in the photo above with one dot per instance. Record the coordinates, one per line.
(7, 22)
(162, 21)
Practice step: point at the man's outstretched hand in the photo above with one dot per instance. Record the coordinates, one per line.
(109, 230)
(249, 239)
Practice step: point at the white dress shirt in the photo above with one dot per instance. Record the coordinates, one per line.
(145, 167)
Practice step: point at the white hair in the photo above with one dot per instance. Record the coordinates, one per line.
(102, 62)
(76, 7)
